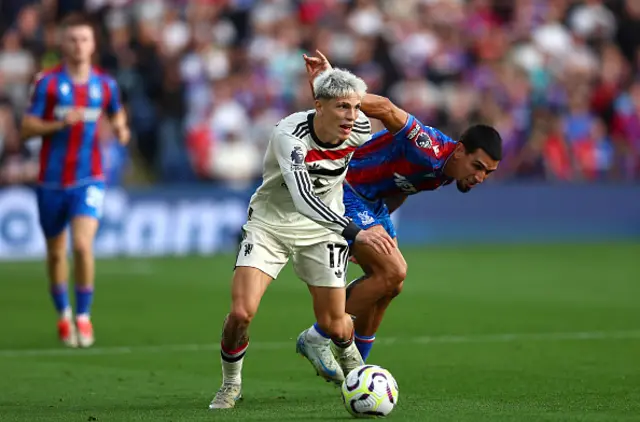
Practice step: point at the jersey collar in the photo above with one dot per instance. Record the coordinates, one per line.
(314, 136)
(66, 73)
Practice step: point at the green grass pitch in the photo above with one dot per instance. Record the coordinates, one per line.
(493, 333)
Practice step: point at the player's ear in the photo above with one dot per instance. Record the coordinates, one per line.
(318, 106)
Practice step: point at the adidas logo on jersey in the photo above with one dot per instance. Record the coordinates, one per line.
(404, 184)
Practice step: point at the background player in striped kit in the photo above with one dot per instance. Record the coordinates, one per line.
(298, 212)
(66, 104)
(406, 158)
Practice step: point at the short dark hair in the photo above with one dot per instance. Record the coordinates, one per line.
(76, 19)
(483, 137)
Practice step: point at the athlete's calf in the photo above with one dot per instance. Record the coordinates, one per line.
(369, 296)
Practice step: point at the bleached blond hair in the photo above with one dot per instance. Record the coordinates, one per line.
(338, 83)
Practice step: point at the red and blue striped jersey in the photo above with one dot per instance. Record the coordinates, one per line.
(408, 162)
(72, 156)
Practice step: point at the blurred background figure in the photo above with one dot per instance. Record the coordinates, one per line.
(205, 80)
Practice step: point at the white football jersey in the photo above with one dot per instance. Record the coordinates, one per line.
(302, 177)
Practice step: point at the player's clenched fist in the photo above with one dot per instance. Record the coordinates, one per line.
(74, 116)
(379, 240)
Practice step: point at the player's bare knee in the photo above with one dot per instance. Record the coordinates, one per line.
(397, 290)
(394, 274)
(82, 247)
(56, 256)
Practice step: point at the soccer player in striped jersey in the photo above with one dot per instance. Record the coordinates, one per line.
(297, 213)
(406, 158)
(66, 104)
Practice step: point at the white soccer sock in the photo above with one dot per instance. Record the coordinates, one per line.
(316, 335)
(232, 363)
(346, 351)
(345, 347)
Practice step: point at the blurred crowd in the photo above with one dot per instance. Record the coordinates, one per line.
(205, 80)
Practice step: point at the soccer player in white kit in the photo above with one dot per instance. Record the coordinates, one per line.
(298, 212)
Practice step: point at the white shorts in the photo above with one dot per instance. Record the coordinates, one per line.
(321, 262)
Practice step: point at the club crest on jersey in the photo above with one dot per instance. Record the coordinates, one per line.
(297, 158)
(347, 159)
(65, 89)
(365, 218)
(94, 92)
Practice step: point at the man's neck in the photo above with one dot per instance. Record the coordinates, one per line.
(448, 167)
(322, 134)
(78, 72)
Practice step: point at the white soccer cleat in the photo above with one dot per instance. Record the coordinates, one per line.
(226, 397)
(348, 358)
(85, 331)
(320, 356)
(67, 332)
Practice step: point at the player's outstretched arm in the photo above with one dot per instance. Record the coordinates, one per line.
(291, 153)
(392, 117)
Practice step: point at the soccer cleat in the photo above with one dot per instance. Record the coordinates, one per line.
(321, 358)
(227, 396)
(348, 358)
(67, 332)
(85, 331)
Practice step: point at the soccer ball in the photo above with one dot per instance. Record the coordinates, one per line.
(369, 391)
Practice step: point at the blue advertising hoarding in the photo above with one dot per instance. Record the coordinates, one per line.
(523, 213)
(204, 220)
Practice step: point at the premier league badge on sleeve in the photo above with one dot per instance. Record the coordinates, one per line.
(424, 141)
(297, 158)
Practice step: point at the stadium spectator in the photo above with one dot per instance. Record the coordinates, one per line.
(205, 80)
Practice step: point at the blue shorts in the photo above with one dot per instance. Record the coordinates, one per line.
(57, 206)
(367, 213)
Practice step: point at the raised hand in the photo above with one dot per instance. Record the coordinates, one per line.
(316, 65)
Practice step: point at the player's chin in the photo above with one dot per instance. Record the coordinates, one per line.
(462, 187)
(343, 134)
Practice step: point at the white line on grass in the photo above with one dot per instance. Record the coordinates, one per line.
(278, 345)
